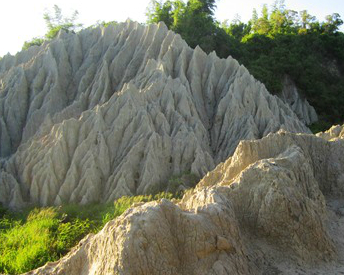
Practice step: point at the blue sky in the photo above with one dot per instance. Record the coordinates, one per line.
(22, 20)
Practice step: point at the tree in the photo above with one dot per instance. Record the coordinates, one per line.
(202, 6)
(197, 25)
(306, 21)
(169, 12)
(160, 12)
(263, 23)
(236, 29)
(278, 18)
(178, 11)
(291, 21)
(56, 22)
(194, 21)
(332, 23)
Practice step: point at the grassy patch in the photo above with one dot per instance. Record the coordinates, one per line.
(24, 244)
(31, 238)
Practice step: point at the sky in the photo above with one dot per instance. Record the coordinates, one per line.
(22, 20)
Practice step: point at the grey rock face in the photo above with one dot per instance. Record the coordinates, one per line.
(92, 116)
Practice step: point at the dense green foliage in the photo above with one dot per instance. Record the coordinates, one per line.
(193, 20)
(311, 60)
(277, 43)
(31, 238)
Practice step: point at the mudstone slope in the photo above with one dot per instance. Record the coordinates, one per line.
(115, 111)
(274, 207)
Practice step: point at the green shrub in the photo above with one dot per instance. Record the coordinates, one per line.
(33, 42)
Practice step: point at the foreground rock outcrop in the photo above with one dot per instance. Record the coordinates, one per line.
(115, 111)
(265, 210)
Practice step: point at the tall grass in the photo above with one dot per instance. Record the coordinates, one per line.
(24, 244)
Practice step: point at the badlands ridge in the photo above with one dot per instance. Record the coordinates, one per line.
(115, 111)
(93, 116)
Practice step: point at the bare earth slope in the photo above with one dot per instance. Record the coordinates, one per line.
(274, 207)
(92, 116)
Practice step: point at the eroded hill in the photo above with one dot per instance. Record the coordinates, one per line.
(92, 116)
